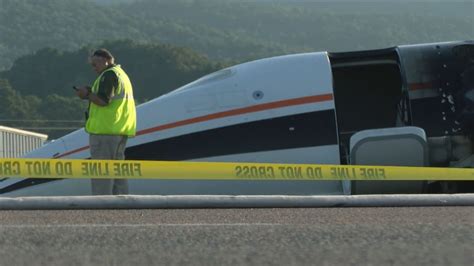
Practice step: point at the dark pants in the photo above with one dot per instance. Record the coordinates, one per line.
(108, 147)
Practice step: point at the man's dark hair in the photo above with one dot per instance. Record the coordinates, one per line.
(104, 53)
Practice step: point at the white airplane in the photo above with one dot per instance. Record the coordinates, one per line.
(394, 106)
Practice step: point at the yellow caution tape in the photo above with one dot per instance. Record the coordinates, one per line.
(53, 168)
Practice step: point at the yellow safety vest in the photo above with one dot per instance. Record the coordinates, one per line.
(119, 116)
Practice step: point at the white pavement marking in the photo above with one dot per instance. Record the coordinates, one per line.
(134, 225)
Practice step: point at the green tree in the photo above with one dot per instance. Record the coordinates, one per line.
(18, 111)
(16, 107)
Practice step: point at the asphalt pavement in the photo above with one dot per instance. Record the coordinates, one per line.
(292, 236)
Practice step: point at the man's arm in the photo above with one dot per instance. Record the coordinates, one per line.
(86, 94)
(107, 86)
(97, 100)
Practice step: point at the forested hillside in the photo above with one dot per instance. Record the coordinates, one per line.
(225, 29)
(44, 44)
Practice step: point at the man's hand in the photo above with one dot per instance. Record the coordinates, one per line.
(83, 92)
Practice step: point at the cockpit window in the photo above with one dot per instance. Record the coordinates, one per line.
(219, 75)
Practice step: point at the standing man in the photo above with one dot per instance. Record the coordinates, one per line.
(111, 118)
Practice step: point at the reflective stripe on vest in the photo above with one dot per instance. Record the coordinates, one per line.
(119, 116)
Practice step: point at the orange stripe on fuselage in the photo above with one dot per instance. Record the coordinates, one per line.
(73, 151)
(245, 110)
